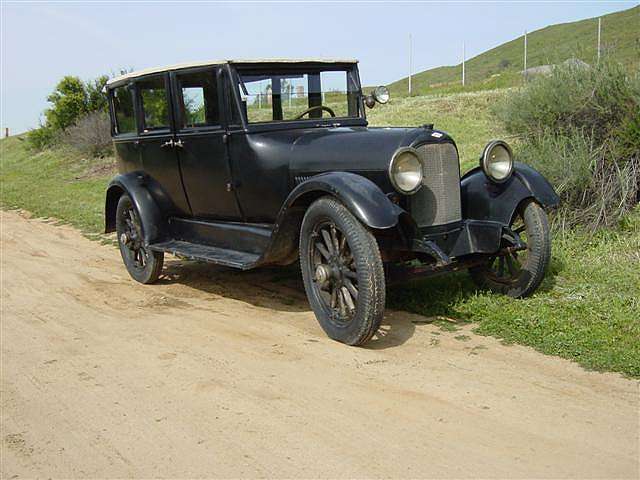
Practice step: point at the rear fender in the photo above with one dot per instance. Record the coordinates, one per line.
(134, 185)
(483, 199)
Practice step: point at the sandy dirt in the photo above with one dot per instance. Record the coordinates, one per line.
(218, 373)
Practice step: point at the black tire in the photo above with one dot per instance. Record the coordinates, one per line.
(348, 263)
(143, 265)
(519, 274)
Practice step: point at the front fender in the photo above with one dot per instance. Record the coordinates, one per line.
(483, 199)
(134, 185)
(359, 194)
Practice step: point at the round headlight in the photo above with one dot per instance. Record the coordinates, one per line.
(381, 94)
(405, 171)
(497, 161)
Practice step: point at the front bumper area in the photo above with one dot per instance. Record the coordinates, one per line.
(452, 242)
(454, 247)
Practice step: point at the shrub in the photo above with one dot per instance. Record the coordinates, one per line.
(90, 135)
(68, 103)
(581, 128)
(42, 137)
(71, 100)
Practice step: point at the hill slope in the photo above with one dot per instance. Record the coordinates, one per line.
(501, 65)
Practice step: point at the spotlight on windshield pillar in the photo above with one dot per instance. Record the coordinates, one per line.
(370, 101)
(381, 94)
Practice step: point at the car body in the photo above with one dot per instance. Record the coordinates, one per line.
(221, 165)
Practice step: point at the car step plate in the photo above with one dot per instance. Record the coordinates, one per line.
(206, 253)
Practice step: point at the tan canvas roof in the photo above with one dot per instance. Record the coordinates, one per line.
(180, 66)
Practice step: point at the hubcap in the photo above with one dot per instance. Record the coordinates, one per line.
(130, 239)
(322, 274)
(335, 279)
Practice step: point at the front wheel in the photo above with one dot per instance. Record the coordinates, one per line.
(519, 274)
(342, 272)
(142, 264)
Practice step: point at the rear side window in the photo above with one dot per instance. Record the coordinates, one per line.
(153, 97)
(198, 99)
(123, 109)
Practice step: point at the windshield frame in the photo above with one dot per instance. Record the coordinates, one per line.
(351, 69)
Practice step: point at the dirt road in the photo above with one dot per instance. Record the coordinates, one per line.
(216, 373)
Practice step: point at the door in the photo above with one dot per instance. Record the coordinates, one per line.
(156, 144)
(201, 145)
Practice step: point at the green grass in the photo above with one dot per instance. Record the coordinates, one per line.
(500, 66)
(587, 308)
(53, 183)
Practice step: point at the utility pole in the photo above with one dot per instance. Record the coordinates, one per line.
(463, 60)
(599, 30)
(524, 72)
(410, 62)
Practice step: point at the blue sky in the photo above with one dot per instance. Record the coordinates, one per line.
(43, 41)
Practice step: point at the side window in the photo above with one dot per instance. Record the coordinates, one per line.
(153, 97)
(123, 109)
(198, 95)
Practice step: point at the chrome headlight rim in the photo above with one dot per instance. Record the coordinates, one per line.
(392, 163)
(484, 160)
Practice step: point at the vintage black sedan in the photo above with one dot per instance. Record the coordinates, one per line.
(251, 163)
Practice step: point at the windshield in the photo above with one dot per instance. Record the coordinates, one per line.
(298, 94)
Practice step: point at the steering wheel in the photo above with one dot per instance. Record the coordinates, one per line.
(317, 107)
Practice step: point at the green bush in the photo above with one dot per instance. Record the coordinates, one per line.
(42, 137)
(71, 100)
(580, 126)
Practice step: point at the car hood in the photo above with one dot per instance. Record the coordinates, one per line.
(356, 149)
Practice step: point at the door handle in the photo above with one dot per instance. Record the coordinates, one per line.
(170, 143)
(179, 144)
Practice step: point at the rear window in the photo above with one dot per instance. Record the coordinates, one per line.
(123, 109)
(155, 108)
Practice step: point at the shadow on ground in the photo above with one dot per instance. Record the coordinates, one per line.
(430, 301)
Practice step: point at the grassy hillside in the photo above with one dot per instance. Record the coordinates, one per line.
(586, 309)
(501, 66)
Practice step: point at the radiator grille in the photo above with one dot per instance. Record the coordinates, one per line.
(438, 201)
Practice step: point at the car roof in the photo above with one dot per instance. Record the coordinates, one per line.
(181, 66)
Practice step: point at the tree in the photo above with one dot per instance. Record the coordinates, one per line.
(96, 99)
(69, 103)
(73, 98)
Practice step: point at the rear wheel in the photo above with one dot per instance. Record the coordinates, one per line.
(142, 264)
(519, 273)
(342, 272)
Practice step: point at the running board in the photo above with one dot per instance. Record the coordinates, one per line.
(206, 253)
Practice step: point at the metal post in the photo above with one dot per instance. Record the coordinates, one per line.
(463, 61)
(524, 72)
(599, 30)
(410, 62)
(6, 132)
